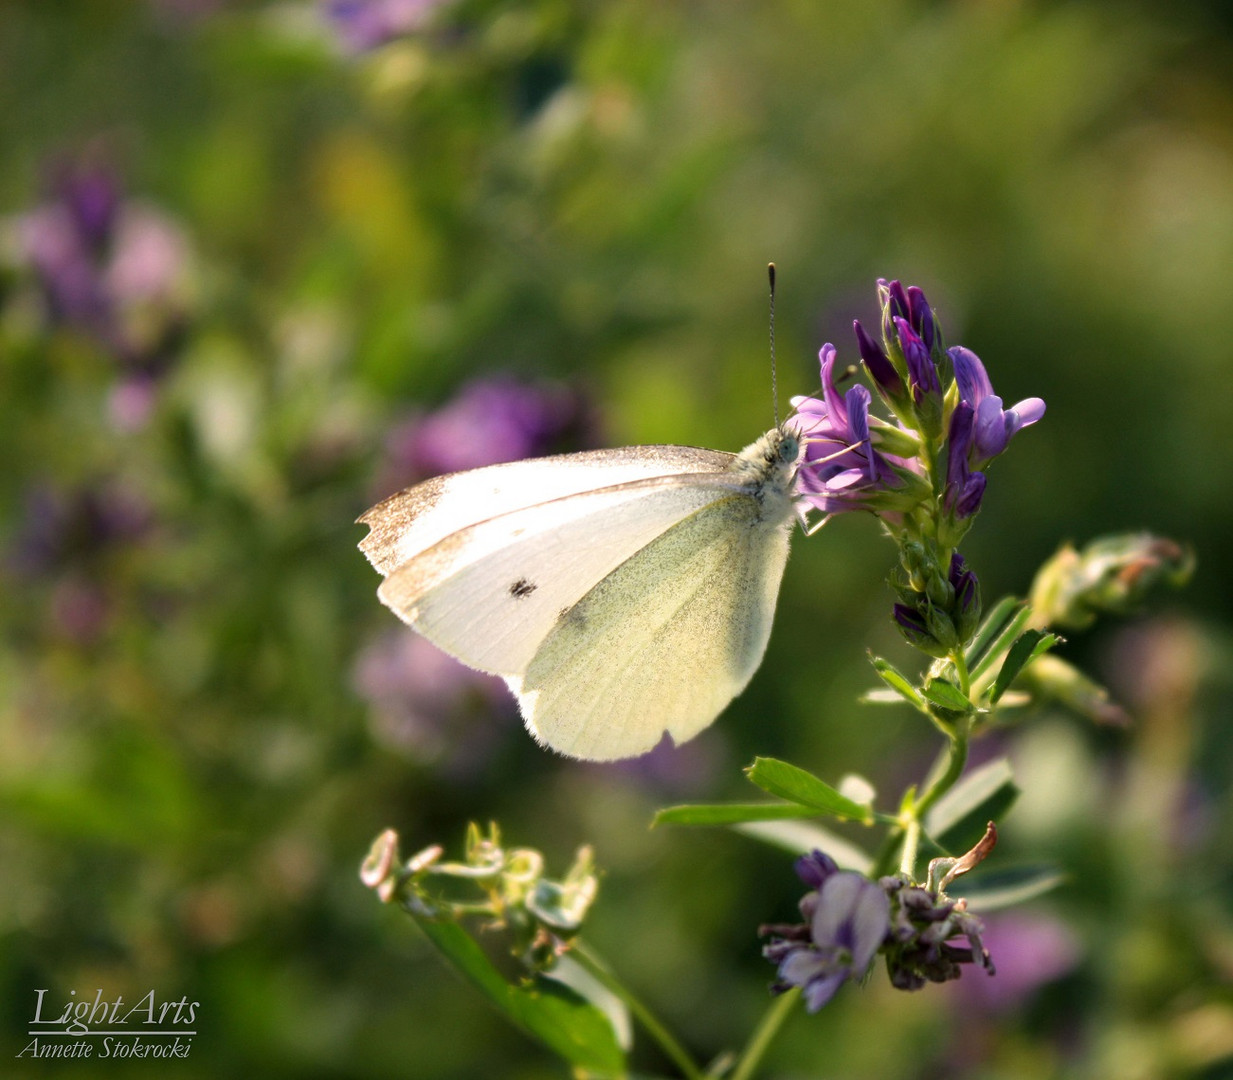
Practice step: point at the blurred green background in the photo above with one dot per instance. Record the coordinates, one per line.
(248, 247)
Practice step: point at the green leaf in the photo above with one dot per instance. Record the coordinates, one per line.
(798, 837)
(946, 695)
(1001, 641)
(897, 681)
(958, 818)
(545, 1009)
(990, 890)
(730, 813)
(991, 627)
(567, 970)
(788, 782)
(1030, 645)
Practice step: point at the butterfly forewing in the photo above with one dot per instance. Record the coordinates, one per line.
(490, 593)
(415, 519)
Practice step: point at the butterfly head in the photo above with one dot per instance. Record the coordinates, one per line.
(786, 445)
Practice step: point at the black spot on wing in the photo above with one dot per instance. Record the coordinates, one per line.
(522, 588)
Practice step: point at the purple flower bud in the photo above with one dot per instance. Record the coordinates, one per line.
(964, 489)
(970, 496)
(877, 363)
(966, 609)
(815, 867)
(915, 630)
(961, 578)
(895, 305)
(921, 317)
(922, 374)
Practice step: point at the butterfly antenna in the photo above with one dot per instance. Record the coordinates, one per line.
(770, 273)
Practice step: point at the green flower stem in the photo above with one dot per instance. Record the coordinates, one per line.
(929, 451)
(667, 1042)
(884, 859)
(772, 1020)
(905, 837)
(954, 767)
(911, 842)
(961, 669)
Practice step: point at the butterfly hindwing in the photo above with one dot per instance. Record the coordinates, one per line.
(662, 643)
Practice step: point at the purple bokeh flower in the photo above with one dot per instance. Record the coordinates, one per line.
(488, 421)
(62, 529)
(113, 269)
(65, 543)
(1032, 949)
(364, 25)
(848, 918)
(842, 470)
(428, 705)
(992, 426)
(670, 769)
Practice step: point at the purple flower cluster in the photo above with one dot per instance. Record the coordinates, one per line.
(854, 461)
(112, 269)
(922, 472)
(923, 923)
(847, 917)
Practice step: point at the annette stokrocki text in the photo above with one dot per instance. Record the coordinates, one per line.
(148, 1027)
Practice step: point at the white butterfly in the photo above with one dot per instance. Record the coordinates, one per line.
(620, 593)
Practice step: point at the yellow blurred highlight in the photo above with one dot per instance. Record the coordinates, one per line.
(374, 205)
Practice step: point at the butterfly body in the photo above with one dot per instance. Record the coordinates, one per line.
(620, 593)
